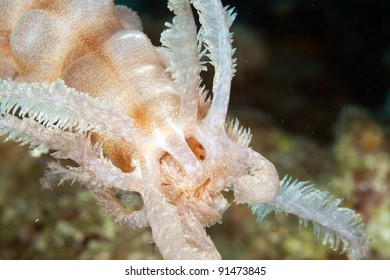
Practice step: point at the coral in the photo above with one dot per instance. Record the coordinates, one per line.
(362, 154)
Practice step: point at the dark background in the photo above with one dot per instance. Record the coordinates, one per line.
(321, 57)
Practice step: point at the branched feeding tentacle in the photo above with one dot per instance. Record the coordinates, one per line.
(69, 145)
(333, 224)
(183, 62)
(57, 105)
(217, 41)
(57, 175)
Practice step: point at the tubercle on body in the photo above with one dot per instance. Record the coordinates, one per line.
(105, 55)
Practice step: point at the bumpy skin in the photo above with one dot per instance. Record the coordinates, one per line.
(105, 55)
(100, 49)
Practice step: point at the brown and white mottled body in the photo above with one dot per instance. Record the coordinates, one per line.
(182, 154)
(105, 55)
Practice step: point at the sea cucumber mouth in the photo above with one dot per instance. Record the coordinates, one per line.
(172, 172)
(173, 178)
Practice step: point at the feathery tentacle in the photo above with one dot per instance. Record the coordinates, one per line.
(333, 224)
(183, 62)
(215, 21)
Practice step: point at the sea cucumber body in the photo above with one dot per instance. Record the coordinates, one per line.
(164, 138)
(80, 78)
(105, 55)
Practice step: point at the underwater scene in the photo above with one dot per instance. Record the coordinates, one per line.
(313, 86)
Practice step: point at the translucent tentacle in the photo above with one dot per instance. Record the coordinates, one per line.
(335, 225)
